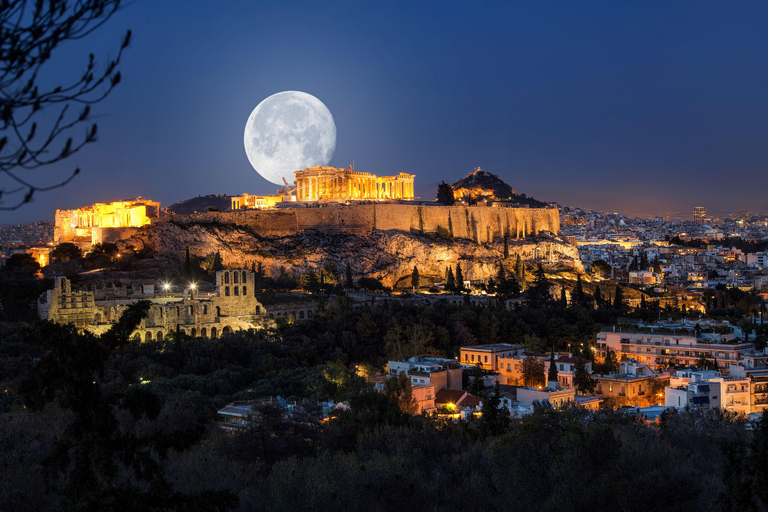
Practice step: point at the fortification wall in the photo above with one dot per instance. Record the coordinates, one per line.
(481, 224)
(111, 235)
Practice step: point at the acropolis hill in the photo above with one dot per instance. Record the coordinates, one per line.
(379, 238)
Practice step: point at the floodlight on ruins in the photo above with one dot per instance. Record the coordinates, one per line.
(192, 286)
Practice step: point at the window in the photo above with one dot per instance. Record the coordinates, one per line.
(473, 358)
(235, 277)
(245, 291)
(205, 309)
(486, 359)
(466, 357)
(237, 290)
(561, 367)
(226, 291)
(226, 277)
(244, 278)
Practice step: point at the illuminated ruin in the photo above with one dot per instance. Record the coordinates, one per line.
(103, 222)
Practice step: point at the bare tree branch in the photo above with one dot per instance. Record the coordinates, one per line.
(30, 32)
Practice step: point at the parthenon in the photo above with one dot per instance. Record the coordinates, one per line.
(331, 183)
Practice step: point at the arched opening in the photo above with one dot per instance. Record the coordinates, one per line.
(226, 330)
(244, 278)
(237, 291)
(213, 332)
(203, 333)
(226, 291)
(226, 277)
(178, 311)
(148, 336)
(97, 318)
(159, 336)
(194, 332)
(205, 309)
(191, 310)
(160, 312)
(301, 315)
(245, 291)
(235, 277)
(218, 312)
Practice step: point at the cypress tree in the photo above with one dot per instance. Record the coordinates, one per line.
(552, 374)
(506, 246)
(459, 279)
(450, 283)
(188, 265)
(642, 302)
(563, 297)
(415, 279)
(598, 297)
(348, 275)
(578, 293)
(618, 299)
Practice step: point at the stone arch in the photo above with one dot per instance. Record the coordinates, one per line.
(245, 291)
(237, 291)
(245, 277)
(218, 312)
(203, 333)
(301, 315)
(194, 333)
(159, 336)
(235, 277)
(226, 277)
(213, 332)
(226, 291)
(226, 330)
(148, 336)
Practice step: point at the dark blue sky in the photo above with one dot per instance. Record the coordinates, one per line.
(643, 107)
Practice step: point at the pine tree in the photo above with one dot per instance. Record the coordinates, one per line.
(415, 279)
(552, 374)
(450, 283)
(459, 279)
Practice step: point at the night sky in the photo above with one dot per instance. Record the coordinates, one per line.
(642, 108)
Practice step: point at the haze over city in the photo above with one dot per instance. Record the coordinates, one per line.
(638, 109)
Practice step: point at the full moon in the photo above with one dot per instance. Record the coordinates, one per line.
(289, 131)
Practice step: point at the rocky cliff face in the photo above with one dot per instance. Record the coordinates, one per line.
(386, 255)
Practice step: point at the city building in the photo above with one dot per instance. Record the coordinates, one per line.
(632, 380)
(487, 356)
(699, 214)
(659, 349)
(428, 375)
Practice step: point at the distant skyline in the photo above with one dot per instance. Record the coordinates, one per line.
(648, 107)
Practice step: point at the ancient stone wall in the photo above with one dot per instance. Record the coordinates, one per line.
(480, 224)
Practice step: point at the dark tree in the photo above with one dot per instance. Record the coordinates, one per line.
(578, 293)
(348, 275)
(94, 454)
(32, 34)
(552, 374)
(495, 418)
(445, 194)
(582, 380)
(643, 305)
(450, 282)
(618, 300)
(66, 251)
(533, 372)
(415, 279)
(22, 263)
(598, 297)
(506, 246)
(459, 279)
